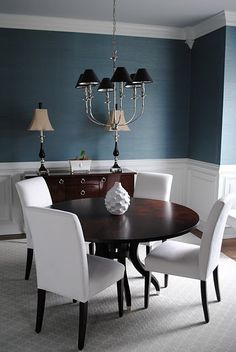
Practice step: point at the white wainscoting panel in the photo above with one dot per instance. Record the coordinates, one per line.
(227, 184)
(195, 184)
(202, 188)
(11, 219)
(5, 196)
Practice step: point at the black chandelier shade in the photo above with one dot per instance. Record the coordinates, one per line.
(142, 76)
(121, 75)
(89, 77)
(106, 85)
(132, 84)
(78, 84)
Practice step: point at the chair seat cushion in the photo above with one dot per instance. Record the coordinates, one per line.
(103, 273)
(175, 258)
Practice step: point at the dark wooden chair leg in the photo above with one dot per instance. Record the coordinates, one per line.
(127, 291)
(83, 314)
(166, 277)
(29, 260)
(92, 248)
(40, 309)
(216, 283)
(147, 281)
(148, 248)
(204, 301)
(120, 294)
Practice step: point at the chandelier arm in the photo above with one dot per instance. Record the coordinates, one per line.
(134, 116)
(108, 102)
(134, 112)
(92, 118)
(138, 115)
(143, 95)
(121, 95)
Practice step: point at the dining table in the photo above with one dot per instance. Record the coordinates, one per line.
(118, 236)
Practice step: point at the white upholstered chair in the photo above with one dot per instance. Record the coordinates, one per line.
(63, 266)
(32, 192)
(193, 261)
(153, 185)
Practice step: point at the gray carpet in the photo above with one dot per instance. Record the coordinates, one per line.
(172, 323)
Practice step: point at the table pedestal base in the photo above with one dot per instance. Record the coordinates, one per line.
(134, 257)
(121, 252)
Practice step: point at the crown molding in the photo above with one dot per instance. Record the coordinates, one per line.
(86, 26)
(211, 24)
(224, 18)
(230, 18)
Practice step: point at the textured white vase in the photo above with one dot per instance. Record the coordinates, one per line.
(117, 199)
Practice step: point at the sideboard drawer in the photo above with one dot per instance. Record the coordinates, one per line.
(82, 190)
(56, 185)
(94, 184)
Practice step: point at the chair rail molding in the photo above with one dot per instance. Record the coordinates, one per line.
(196, 184)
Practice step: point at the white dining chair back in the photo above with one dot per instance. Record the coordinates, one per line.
(63, 266)
(190, 260)
(157, 186)
(32, 192)
(153, 185)
(59, 249)
(212, 236)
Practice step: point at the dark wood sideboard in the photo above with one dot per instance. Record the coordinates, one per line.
(66, 186)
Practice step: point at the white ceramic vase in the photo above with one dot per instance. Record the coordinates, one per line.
(117, 200)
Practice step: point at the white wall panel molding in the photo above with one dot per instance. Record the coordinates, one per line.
(202, 187)
(227, 180)
(6, 198)
(195, 184)
(11, 221)
(227, 184)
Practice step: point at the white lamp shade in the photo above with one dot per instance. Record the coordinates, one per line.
(40, 121)
(116, 116)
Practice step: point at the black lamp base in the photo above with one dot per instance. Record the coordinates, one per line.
(42, 169)
(115, 168)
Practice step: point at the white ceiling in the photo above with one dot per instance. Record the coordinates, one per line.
(177, 13)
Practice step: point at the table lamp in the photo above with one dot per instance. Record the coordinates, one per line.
(40, 122)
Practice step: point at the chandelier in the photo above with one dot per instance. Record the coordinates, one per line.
(114, 89)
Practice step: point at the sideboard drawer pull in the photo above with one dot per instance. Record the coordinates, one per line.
(61, 181)
(82, 192)
(82, 180)
(104, 179)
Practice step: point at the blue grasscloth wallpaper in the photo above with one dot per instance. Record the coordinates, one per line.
(228, 149)
(44, 66)
(207, 87)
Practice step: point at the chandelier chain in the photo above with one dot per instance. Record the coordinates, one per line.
(114, 49)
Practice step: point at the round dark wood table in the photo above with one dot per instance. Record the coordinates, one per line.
(145, 220)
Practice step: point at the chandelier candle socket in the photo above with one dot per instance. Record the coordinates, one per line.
(114, 88)
(117, 200)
